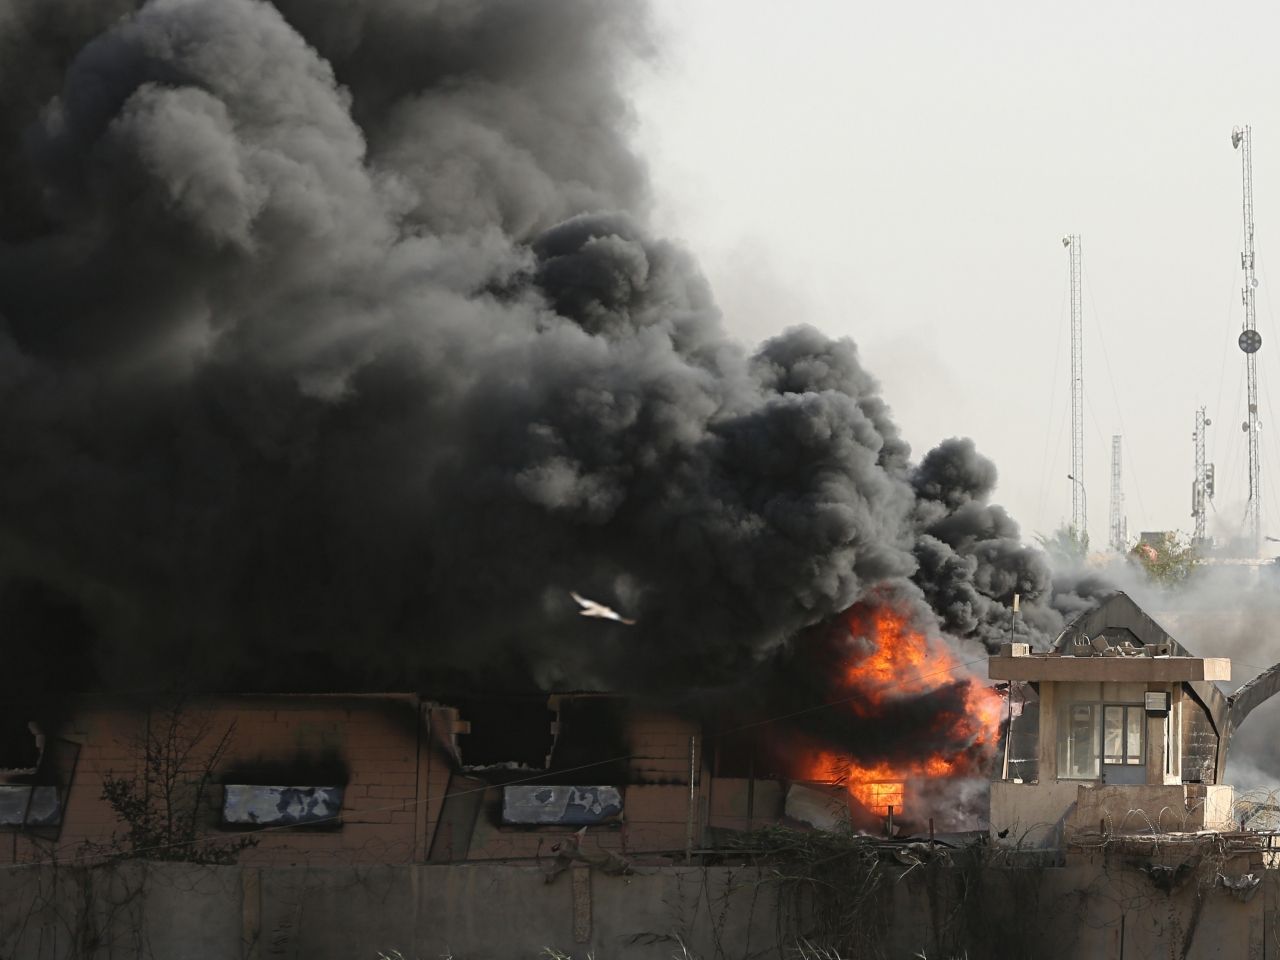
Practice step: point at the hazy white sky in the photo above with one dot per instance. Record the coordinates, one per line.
(903, 174)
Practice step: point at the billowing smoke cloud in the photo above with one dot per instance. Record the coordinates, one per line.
(334, 350)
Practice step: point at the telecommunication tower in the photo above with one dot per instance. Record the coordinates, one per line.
(1250, 342)
(1119, 525)
(1079, 503)
(1202, 486)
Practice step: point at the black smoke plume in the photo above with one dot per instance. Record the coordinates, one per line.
(335, 351)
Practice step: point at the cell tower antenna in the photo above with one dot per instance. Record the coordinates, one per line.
(1202, 486)
(1119, 524)
(1079, 502)
(1250, 342)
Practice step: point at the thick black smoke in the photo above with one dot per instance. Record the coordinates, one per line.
(334, 351)
(972, 560)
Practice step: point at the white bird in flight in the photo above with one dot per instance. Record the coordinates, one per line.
(592, 609)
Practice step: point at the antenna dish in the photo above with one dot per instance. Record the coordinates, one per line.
(1066, 241)
(1250, 341)
(1236, 136)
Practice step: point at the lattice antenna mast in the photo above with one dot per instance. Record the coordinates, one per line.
(1250, 342)
(1079, 502)
(1119, 525)
(1202, 486)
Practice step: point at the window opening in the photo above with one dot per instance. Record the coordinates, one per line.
(1091, 734)
(1078, 742)
(1122, 726)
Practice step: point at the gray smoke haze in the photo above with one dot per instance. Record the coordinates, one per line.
(335, 350)
(1228, 611)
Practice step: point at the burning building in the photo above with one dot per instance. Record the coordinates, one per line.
(464, 811)
(401, 778)
(336, 350)
(937, 722)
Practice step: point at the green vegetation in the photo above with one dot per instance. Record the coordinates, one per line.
(1168, 561)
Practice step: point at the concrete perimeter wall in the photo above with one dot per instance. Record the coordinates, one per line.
(465, 911)
(1108, 909)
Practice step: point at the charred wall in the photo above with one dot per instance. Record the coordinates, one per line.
(1199, 744)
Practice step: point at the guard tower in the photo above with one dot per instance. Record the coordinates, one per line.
(1125, 731)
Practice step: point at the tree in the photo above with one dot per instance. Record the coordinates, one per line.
(1168, 560)
(163, 805)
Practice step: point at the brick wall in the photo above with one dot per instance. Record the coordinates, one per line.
(660, 746)
(392, 754)
(395, 775)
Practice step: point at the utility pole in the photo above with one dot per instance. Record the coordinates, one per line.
(1250, 342)
(1202, 486)
(1119, 525)
(1079, 505)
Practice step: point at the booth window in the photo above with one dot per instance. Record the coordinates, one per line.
(1078, 742)
(1122, 728)
(1091, 734)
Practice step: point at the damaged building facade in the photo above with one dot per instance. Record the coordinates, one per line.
(494, 826)
(299, 816)
(395, 778)
(359, 778)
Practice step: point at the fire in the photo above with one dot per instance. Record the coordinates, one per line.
(895, 661)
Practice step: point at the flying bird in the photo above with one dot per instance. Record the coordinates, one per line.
(592, 609)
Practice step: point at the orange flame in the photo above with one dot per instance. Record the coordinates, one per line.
(897, 661)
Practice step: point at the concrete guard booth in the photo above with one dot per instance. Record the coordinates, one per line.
(1117, 730)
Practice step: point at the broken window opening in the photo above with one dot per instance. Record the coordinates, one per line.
(513, 733)
(1024, 734)
(567, 739)
(21, 745)
(590, 745)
